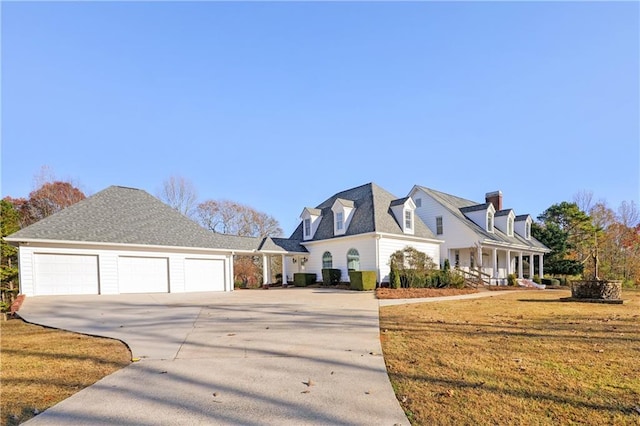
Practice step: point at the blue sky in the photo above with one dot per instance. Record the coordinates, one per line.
(281, 105)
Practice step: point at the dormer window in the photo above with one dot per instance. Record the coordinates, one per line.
(342, 214)
(510, 226)
(403, 210)
(527, 230)
(310, 220)
(489, 221)
(408, 219)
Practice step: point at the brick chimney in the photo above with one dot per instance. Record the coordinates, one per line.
(494, 198)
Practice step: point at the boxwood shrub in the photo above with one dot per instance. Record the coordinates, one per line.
(302, 279)
(362, 280)
(331, 276)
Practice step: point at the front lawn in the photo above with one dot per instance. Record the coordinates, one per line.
(42, 366)
(521, 358)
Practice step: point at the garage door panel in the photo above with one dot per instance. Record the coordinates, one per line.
(204, 274)
(143, 274)
(60, 274)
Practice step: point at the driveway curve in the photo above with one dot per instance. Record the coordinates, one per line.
(249, 357)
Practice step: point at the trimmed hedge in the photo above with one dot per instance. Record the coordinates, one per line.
(301, 279)
(331, 276)
(363, 280)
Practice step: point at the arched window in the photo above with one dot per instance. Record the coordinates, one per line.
(353, 260)
(327, 260)
(489, 221)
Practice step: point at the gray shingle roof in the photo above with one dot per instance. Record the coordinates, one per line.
(503, 212)
(282, 245)
(458, 206)
(372, 214)
(129, 216)
(474, 207)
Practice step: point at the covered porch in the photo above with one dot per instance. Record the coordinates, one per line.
(492, 264)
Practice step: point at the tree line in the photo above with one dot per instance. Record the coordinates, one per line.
(590, 239)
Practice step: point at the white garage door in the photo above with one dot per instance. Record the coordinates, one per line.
(65, 274)
(204, 274)
(143, 274)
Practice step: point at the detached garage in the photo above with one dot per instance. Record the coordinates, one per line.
(123, 240)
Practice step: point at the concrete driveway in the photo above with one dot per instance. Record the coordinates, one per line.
(240, 358)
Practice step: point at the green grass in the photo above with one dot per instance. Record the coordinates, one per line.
(517, 358)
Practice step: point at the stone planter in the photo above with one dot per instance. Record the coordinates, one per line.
(596, 290)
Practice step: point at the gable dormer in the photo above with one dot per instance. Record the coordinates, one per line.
(523, 226)
(404, 211)
(504, 221)
(481, 214)
(342, 213)
(310, 221)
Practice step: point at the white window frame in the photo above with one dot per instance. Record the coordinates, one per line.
(408, 219)
(339, 221)
(489, 221)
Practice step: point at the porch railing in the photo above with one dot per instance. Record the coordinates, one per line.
(475, 277)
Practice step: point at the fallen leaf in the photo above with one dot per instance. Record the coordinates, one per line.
(215, 394)
(305, 391)
(308, 383)
(231, 334)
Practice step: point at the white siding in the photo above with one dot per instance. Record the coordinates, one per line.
(456, 235)
(108, 273)
(366, 246)
(388, 246)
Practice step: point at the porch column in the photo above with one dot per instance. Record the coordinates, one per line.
(479, 259)
(494, 260)
(520, 268)
(284, 271)
(540, 267)
(508, 262)
(231, 278)
(265, 270)
(531, 266)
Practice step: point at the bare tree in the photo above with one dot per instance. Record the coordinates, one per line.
(229, 217)
(584, 200)
(180, 194)
(628, 214)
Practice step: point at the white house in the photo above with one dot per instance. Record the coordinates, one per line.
(480, 236)
(359, 229)
(123, 240)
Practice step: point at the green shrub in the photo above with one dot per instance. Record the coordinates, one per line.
(331, 276)
(512, 280)
(394, 278)
(536, 279)
(301, 279)
(362, 280)
(550, 281)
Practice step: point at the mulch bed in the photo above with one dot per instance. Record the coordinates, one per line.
(413, 293)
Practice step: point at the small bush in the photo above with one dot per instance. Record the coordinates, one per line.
(536, 279)
(512, 280)
(362, 280)
(301, 279)
(331, 276)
